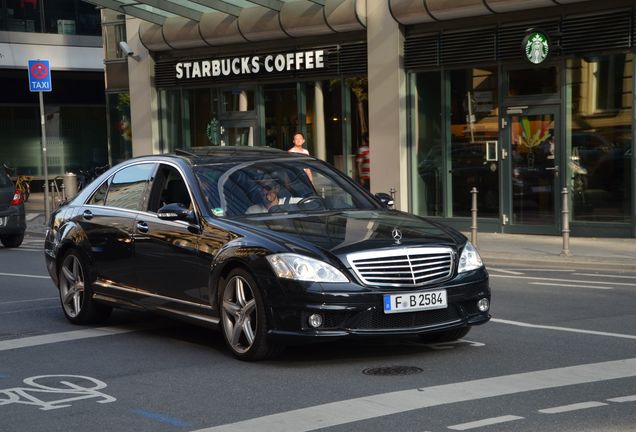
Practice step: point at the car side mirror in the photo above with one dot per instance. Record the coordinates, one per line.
(385, 199)
(176, 211)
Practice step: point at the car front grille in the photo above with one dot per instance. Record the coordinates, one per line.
(403, 267)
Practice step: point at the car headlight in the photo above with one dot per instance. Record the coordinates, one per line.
(470, 259)
(299, 267)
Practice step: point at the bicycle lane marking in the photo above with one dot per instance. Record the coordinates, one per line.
(383, 404)
(32, 341)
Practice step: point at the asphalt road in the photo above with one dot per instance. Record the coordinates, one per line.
(559, 355)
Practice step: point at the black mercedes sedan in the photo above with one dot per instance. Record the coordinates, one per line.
(272, 248)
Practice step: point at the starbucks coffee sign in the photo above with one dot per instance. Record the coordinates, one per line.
(250, 65)
(536, 47)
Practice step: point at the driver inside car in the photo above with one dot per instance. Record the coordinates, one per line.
(269, 196)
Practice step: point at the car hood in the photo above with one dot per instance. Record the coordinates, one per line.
(352, 231)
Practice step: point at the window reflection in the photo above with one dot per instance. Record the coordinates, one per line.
(474, 124)
(599, 167)
(427, 135)
(128, 186)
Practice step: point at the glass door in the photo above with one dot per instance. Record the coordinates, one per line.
(534, 165)
(238, 132)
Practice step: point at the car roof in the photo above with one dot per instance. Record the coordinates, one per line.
(212, 155)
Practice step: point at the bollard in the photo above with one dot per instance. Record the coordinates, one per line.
(473, 213)
(565, 223)
(70, 185)
(392, 191)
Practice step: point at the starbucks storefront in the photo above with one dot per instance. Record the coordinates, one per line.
(530, 109)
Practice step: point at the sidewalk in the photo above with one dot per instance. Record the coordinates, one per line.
(495, 248)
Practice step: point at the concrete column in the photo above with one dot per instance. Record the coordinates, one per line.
(319, 122)
(387, 103)
(144, 106)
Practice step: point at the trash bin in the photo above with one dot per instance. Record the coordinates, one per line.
(70, 185)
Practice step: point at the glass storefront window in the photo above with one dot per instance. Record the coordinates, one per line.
(200, 108)
(120, 127)
(474, 133)
(238, 100)
(170, 123)
(600, 162)
(427, 138)
(21, 16)
(50, 16)
(281, 115)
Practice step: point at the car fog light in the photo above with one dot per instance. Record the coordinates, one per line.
(483, 305)
(315, 320)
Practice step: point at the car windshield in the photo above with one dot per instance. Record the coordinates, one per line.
(243, 189)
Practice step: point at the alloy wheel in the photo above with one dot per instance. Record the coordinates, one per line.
(239, 314)
(72, 285)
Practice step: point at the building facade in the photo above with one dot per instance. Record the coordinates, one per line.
(530, 102)
(68, 34)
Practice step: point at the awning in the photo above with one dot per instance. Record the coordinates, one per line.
(169, 24)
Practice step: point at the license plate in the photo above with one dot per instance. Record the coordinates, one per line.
(3, 221)
(417, 301)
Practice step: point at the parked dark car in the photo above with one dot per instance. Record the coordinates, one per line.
(12, 215)
(273, 248)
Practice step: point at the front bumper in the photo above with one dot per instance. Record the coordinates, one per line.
(361, 314)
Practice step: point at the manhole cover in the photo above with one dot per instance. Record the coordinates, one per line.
(393, 370)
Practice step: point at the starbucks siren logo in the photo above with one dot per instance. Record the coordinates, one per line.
(536, 47)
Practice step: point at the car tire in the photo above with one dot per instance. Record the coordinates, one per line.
(445, 336)
(243, 317)
(76, 293)
(12, 241)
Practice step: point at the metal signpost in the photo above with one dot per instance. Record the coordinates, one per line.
(40, 81)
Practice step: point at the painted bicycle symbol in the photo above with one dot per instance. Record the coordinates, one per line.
(39, 71)
(75, 387)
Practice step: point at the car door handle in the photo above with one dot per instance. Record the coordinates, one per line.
(142, 227)
(87, 214)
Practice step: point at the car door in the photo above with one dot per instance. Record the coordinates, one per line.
(166, 258)
(107, 220)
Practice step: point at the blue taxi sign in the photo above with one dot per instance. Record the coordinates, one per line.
(40, 76)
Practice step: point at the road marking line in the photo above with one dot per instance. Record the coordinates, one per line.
(572, 407)
(604, 275)
(621, 399)
(26, 276)
(566, 329)
(173, 421)
(570, 285)
(378, 405)
(485, 422)
(505, 271)
(31, 341)
(563, 280)
(29, 301)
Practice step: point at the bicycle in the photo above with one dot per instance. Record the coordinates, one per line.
(22, 183)
(23, 186)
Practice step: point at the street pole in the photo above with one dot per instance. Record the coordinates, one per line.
(47, 210)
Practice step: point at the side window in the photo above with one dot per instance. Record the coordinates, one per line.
(99, 196)
(129, 185)
(169, 187)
